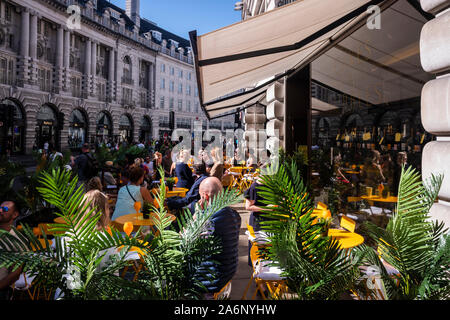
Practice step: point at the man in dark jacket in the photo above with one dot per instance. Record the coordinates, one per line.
(225, 225)
(193, 194)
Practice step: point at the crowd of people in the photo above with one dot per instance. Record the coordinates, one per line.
(202, 175)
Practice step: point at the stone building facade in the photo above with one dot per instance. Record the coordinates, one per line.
(79, 71)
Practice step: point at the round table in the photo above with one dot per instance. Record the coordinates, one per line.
(345, 238)
(137, 220)
(59, 220)
(390, 199)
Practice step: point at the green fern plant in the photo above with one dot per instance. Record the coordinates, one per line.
(314, 266)
(418, 248)
(171, 260)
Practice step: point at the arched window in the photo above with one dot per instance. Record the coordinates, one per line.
(12, 133)
(104, 128)
(125, 128)
(127, 71)
(146, 130)
(47, 133)
(77, 129)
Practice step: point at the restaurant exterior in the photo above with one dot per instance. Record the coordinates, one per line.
(346, 76)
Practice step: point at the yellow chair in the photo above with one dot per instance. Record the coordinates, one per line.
(276, 286)
(348, 224)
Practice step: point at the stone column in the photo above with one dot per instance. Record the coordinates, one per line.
(87, 67)
(93, 67)
(435, 106)
(33, 36)
(33, 48)
(111, 74)
(59, 58)
(66, 60)
(24, 61)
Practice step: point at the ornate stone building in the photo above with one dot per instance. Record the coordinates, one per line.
(88, 71)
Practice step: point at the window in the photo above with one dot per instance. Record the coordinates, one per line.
(127, 71)
(163, 83)
(188, 90)
(44, 79)
(180, 74)
(101, 91)
(180, 88)
(171, 104)
(188, 106)
(189, 76)
(6, 70)
(180, 105)
(156, 34)
(114, 14)
(196, 92)
(172, 71)
(196, 107)
(75, 84)
(163, 68)
(8, 11)
(161, 103)
(171, 86)
(127, 95)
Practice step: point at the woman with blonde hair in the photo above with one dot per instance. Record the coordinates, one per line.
(98, 201)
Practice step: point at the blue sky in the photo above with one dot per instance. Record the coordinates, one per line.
(182, 16)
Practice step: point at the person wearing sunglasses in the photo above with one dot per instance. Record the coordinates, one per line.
(8, 213)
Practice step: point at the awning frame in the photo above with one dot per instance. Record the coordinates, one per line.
(339, 36)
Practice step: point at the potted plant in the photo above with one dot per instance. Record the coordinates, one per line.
(170, 182)
(146, 209)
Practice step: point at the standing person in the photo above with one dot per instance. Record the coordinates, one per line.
(46, 146)
(388, 169)
(157, 163)
(148, 163)
(254, 204)
(167, 162)
(9, 212)
(131, 193)
(86, 165)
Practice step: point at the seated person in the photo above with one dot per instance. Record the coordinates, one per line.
(193, 194)
(94, 184)
(183, 172)
(131, 193)
(225, 224)
(372, 174)
(217, 164)
(8, 213)
(98, 200)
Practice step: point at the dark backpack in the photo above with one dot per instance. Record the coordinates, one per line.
(92, 166)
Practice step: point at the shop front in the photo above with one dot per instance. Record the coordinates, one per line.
(104, 132)
(77, 130)
(47, 133)
(146, 130)
(125, 129)
(12, 127)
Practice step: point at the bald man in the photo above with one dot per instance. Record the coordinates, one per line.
(226, 224)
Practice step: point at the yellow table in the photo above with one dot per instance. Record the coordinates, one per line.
(390, 199)
(352, 172)
(59, 220)
(137, 220)
(345, 238)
